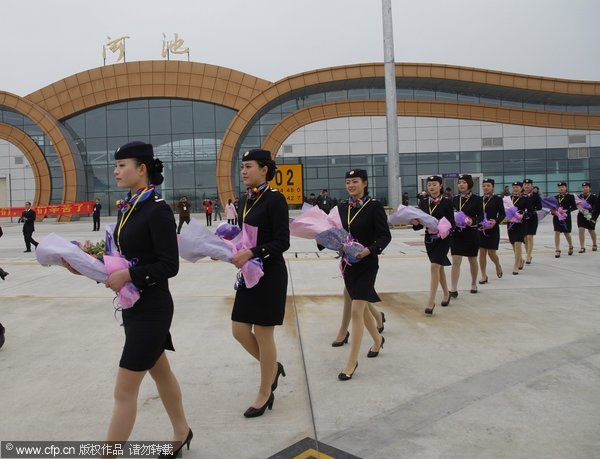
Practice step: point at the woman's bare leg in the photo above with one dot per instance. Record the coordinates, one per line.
(346, 313)
(125, 410)
(455, 273)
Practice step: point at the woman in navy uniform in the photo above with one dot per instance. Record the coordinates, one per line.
(145, 231)
(531, 218)
(489, 240)
(465, 241)
(583, 223)
(257, 310)
(517, 231)
(567, 202)
(365, 219)
(437, 248)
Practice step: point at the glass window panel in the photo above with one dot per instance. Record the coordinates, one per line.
(160, 121)
(141, 103)
(313, 99)
(340, 160)
(424, 94)
(362, 93)
(382, 159)
(182, 120)
(117, 106)
(513, 155)
(578, 165)
(449, 156)
(77, 125)
(492, 168)
(100, 177)
(97, 152)
(556, 166)
(204, 117)
(139, 122)
(449, 96)
(514, 166)
(470, 156)
(114, 143)
(468, 98)
(491, 156)
(537, 154)
(206, 176)
(158, 103)
(183, 174)
(470, 168)
(427, 158)
(409, 158)
(116, 123)
(181, 103)
(556, 153)
(270, 118)
(95, 122)
(377, 93)
(535, 166)
(408, 169)
(14, 119)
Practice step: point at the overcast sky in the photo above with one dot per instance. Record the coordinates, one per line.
(42, 41)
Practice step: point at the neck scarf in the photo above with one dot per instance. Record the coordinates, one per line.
(139, 196)
(358, 203)
(255, 192)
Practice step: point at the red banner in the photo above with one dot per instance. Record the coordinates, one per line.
(53, 209)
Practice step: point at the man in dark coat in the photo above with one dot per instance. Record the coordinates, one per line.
(324, 201)
(28, 219)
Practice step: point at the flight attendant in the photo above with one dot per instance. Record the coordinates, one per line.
(257, 310)
(584, 224)
(489, 239)
(531, 217)
(437, 248)
(145, 231)
(465, 241)
(517, 231)
(365, 219)
(567, 202)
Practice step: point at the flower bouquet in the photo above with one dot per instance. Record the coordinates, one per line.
(197, 242)
(462, 220)
(513, 214)
(328, 231)
(405, 214)
(584, 207)
(88, 260)
(551, 203)
(485, 224)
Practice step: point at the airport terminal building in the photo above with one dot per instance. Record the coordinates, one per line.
(56, 144)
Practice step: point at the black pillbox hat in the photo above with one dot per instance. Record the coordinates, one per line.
(518, 184)
(435, 178)
(360, 173)
(561, 184)
(135, 149)
(256, 154)
(586, 184)
(528, 180)
(489, 180)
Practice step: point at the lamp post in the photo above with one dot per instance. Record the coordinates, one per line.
(391, 107)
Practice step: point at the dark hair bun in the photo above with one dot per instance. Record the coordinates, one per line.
(155, 169)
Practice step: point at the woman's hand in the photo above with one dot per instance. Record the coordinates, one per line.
(117, 280)
(415, 222)
(69, 267)
(365, 253)
(240, 258)
(492, 222)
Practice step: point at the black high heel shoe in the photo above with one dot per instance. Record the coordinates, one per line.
(372, 354)
(454, 294)
(342, 342)
(280, 371)
(380, 330)
(429, 311)
(345, 377)
(447, 302)
(483, 281)
(255, 412)
(3, 274)
(175, 452)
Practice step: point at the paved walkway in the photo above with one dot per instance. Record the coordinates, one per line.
(512, 371)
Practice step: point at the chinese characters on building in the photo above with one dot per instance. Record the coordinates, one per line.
(169, 47)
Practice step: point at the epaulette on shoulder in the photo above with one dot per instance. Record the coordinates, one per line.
(158, 199)
(274, 189)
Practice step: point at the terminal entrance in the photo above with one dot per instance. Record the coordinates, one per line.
(451, 181)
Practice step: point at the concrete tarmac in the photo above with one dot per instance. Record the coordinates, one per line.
(510, 372)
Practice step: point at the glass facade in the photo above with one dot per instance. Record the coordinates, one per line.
(407, 89)
(25, 124)
(504, 152)
(186, 136)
